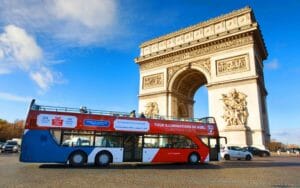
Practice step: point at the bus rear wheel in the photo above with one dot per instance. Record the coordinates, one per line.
(193, 158)
(77, 158)
(227, 157)
(103, 158)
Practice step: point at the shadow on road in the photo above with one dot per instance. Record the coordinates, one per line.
(213, 165)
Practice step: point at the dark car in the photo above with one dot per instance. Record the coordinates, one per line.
(10, 146)
(1, 144)
(257, 151)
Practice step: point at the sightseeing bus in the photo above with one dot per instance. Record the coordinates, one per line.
(81, 136)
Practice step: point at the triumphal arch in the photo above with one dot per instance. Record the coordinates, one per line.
(224, 54)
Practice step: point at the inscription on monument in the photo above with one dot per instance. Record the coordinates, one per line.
(155, 80)
(233, 65)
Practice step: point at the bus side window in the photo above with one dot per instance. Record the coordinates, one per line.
(151, 141)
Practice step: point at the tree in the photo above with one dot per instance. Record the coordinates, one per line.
(11, 130)
(275, 145)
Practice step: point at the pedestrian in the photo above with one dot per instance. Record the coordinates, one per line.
(83, 109)
(132, 113)
(142, 115)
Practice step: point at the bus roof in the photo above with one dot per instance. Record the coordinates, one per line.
(45, 117)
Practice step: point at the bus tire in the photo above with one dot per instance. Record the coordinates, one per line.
(103, 158)
(193, 158)
(227, 157)
(78, 158)
(248, 157)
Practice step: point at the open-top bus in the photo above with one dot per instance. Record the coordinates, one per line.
(78, 137)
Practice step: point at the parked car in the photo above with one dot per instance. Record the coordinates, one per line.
(293, 150)
(1, 144)
(10, 146)
(257, 151)
(235, 152)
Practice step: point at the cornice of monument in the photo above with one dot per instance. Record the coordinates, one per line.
(196, 50)
(199, 25)
(249, 24)
(231, 81)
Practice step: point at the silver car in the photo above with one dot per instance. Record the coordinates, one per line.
(10, 146)
(235, 152)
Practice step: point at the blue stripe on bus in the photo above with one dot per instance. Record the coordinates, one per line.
(39, 146)
(97, 123)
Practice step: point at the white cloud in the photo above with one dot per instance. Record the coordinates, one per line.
(18, 47)
(43, 77)
(77, 22)
(273, 64)
(92, 14)
(15, 98)
(19, 50)
(1, 54)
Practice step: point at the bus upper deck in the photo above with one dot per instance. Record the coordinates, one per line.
(76, 136)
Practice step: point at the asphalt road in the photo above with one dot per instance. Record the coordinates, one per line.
(261, 172)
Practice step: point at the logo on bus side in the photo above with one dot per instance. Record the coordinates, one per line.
(96, 123)
(131, 125)
(52, 120)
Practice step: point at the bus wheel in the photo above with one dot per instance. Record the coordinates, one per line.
(248, 157)
(103, 158)
(193, 158)
(227, 157)
(77, 158)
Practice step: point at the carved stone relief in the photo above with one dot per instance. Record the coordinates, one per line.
(173, 70)
(233, 65)
(151, 109)
(196, 52)
(182, 110)
(235, 108)
(204, 65)
(154, 80)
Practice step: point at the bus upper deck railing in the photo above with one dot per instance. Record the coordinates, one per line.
(115, 113)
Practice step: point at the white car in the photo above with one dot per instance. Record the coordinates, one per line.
(235, 152)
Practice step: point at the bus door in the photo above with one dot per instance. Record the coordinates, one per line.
(133, 148)
(214, 148)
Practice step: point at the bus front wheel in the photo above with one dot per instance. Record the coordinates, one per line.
(103, 158)
(77, 158)
(193, 158)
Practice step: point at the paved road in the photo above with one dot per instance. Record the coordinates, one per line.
(261, 172)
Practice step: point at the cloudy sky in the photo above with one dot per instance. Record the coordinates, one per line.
(78, 52)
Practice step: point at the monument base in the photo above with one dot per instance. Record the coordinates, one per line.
(236, 136)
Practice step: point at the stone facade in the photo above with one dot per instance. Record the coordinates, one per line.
(226, 55)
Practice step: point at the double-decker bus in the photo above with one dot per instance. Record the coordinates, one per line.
(80, 136)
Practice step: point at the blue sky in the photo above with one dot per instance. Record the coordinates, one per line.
(73, 53)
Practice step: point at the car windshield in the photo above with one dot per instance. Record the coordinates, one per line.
(11, 143)
(235, 148)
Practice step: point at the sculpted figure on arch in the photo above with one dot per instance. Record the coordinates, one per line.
(151, 110)
(235, 108)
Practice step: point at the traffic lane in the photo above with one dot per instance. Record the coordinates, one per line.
(261, 172)
(257, 162)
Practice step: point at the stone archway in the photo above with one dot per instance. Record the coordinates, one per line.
(226, 55)
(183, 87)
